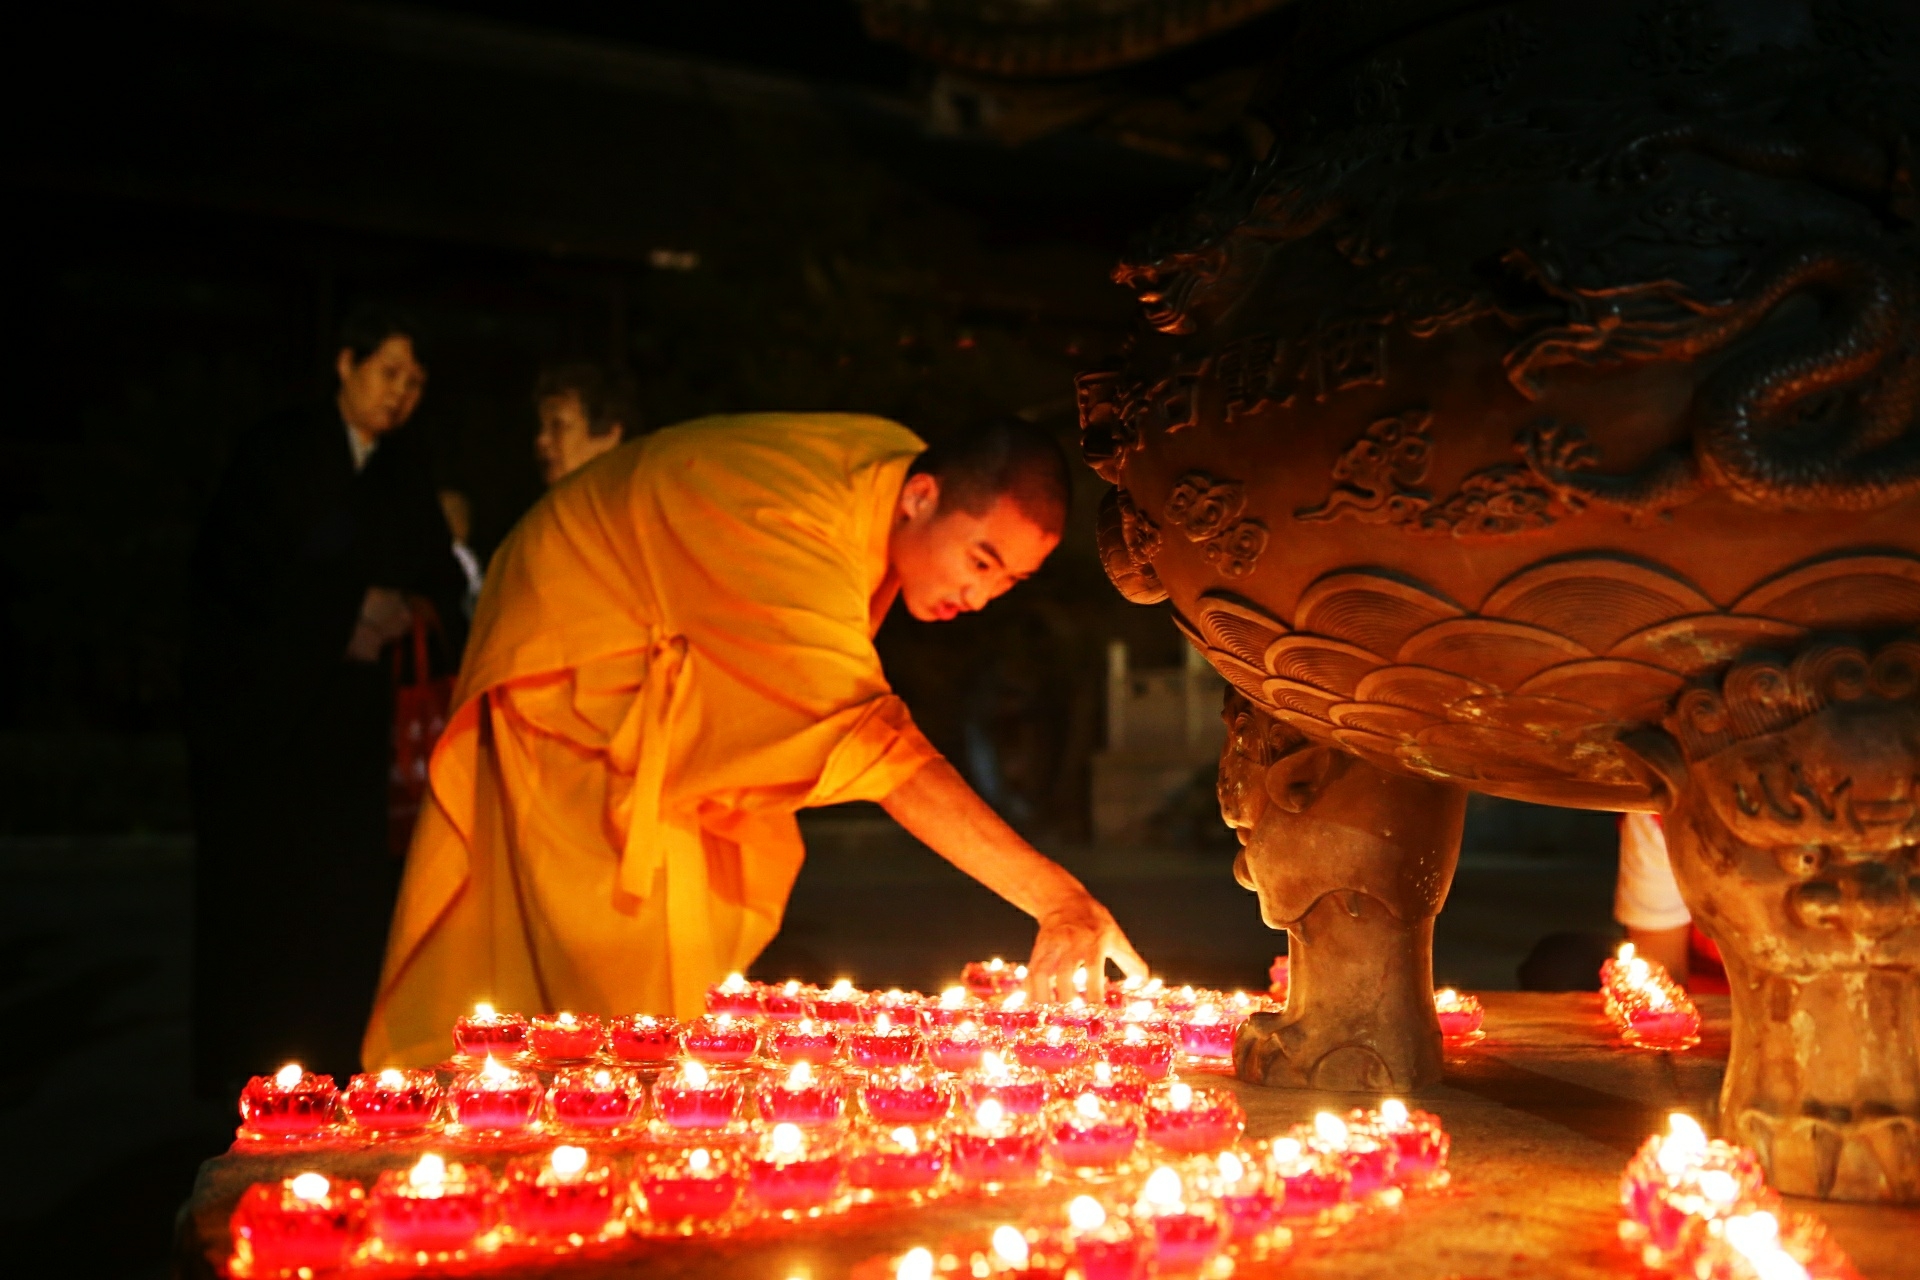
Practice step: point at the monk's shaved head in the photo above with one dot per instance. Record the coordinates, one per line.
(1005, 457)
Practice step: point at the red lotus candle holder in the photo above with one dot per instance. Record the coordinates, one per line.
(597, 1100)
(905, 1162)
(485, 1033)
(795, 1174)
(786, 1001)
(736, 996)
(994, 1149)
(1185, 1229)
(839, 1004)
(1086, 1135)
(691, 1097)
(300, 1224)
(1666, 1021)
(1460, 1014)
(1011, 1014)
(990, 979)
(1189, 1120)
(720, 1039)
(953, 1007)
(496, 1098)
(803, 1096)
(1110, 1084)
(904, 1008)
(906, 1095)
(1133, 1046)
(1678, 1183)
(1309, 1182)
(289, 1105)
(644, 1040)
(1239, 1186)
(565, 1037)
(681, 1190)
(804, 1040)
(1103, 1246)
(884, 1044)
(1418, 1141)
(1769, 1244)
(1051, 1048)
(1076, 1014)
(393, 1101)
(1021, 1091)
(1208, 1033)
(432, 1210)
(1369, 1163)
(958, 1048)
(560, 1197)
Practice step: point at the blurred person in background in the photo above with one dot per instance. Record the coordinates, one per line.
(585, 410)
(323, 538)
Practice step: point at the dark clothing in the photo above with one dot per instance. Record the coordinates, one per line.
(291, 742)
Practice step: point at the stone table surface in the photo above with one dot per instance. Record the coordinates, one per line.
(1543, 1113)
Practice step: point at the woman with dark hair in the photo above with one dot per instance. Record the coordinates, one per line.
(323, 536)
(585, 410)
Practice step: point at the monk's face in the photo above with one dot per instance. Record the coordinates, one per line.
(381, 392)
(566, 441)
(953, 561)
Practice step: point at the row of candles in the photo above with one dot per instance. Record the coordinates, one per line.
(1699, 1207)
(1645, 1005)
(1207, 1194)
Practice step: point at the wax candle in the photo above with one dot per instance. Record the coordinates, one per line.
(560, 1197)
(957, 1048)
(1013, 1013)
(804, 1040)
(1680, 1181)
(1104, 1246)
(1459, 1012)
(991, 978)
(1369, 1163)
(681, 1190)
(905, 1161)
(1125, 992)
(1187, 1120)
(304, 1222)
(595, 1099)
(953, 1007)
(839, 1004)
(1661, 1019)
(1180, 1000)
(993, 1148)
(905, 1008)
(1769, 1244)
(1185, 1233)
(644, 1040)
(786, 1001)
(884, 1044)
(432, 1208)
(1026, 1255)
(564, 1037)
(1419, 1143)
(1239, 1187)
(1134, 1046)
(1208, 1033)
(496, 1098)
(906, 1095)
(290, 1103)
(1051, 1048)
(691, 1097)
(1080, 1016)
(1020, 1090)
(485, 1033)
(1309, 1182)
(735, 995)
(794, 1173)
(803, 1096)
(1110, 1084)
(393, 1101)
(1086, 1134)
(720, 1039)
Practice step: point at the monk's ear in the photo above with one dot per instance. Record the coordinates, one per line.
(1656, 757)
(920, 495)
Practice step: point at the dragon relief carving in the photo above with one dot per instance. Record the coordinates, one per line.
(1208, 511)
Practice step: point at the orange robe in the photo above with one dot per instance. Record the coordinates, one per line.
(673, 653)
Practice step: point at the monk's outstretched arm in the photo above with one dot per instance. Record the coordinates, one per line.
(944, 813)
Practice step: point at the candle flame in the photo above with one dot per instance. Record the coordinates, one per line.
(1206, 1015)
(1053, 1036)
(568, 1162)
(1020, 972)
(1756, 1237)
(1015, 1001)
(1088, 1105)
(1133, 1034)
(429, 1175)
(1132, 984)
(1241, 1000)
(785, 1140)
(646, 1021)
(1330, 1129)
(966, 1031)
(1287, 1150)
(1625, 953)
(906, 1139)
(1683, 1147)
(392, 1079)
(1139, 1010)
(1103, 1073)
(1232, 1169)
(1718, 1184)
(724, 1021)
(493, 1073)
(699, 1160)
(603, 1078)
(882, 1024)
(1154, 987)
(310, 1186)
(801, 1075)
(996, 964)
(566, 1019)
(842, 989)
(694, 1074)
(1446, 999)
(734, 983)
(953, 998)
(793, 987)
(1180, 1097)
(483, 1012)
(1011, 1246)
(1080, 978)
(1085, 1214)
(288, 1076)
(915, 1264)
(992, 1065)
(990, 1114)
(1163, 1189)
(1393, 1114)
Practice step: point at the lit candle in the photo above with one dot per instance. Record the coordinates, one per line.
(393, 1101)
(789, 1000)
(496, 1098)
(1309, 1182)
(1078, 1015)
(1459, 1012)
(992, 1148)
(804, 1040)
(1121, 994)
(720, 1039)
(1086, 1134)
(644, 1040)
(1183, 1119)
(735, 995)
(904, 1007)
(564, 1037)
(1680, 1181)
(884, 1044)
(992, 978)
(1239, 1186)
(954, 1006)
(1208, 1033)
(1051, 1048)
(1026, 1255)
(1111, 1084)
(906, 1095)
(1369, 1163)
(1662, 1019)
(1771, 1244)
(1020, 1090)
(1185, 1234)
(432, 1208)
(904, 1161)
(914, 1264)
(290, 1103)
(304, 1222)
(957, 1048)
(795, 1174)
(485, 1033)
(683, 1190)
(1104, 1246)
(839, 1003)
(1136, 1047)
(1419, 1143)
(691, 1097)
(1013, 1013)
(595, 1099)
(561, 1197)
(803, 1096)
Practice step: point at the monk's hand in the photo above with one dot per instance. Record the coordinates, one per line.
(1078, 936)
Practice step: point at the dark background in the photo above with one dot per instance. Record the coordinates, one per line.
(753, 206)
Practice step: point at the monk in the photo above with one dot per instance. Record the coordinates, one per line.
(672, 655)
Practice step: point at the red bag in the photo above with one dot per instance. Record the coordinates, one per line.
(420, 710)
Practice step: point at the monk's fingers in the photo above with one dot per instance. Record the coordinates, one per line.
(1124, 955)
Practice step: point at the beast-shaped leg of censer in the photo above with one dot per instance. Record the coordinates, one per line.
(1793, 821)
(1354, 863)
